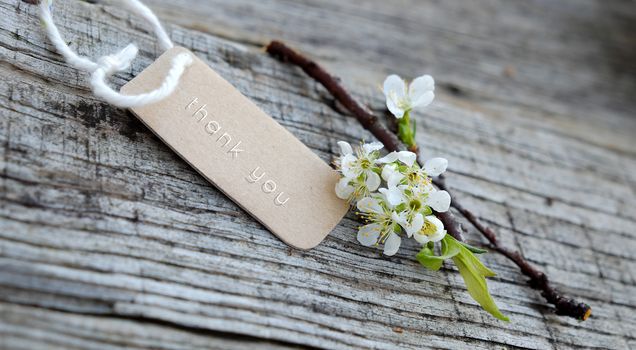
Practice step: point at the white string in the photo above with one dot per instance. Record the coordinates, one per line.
(109, 64)
(143, 11)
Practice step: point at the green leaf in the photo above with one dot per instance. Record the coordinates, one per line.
(428, 259)
(477, 264)
(474, 249)
(474, 274)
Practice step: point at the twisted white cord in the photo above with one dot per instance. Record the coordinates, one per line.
(110, 64)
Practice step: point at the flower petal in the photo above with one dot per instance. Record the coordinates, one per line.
(392, 244)
(394, 90)
(347, 166)
(399, 218)
(437, 236)
(435, 166)
(415, 225)
(421, 91)
(373, 146)
(424, 101)
(393, 108)
(368, 234)
(388, 171)
(370, 205)
(389, 158)
(345, 148)
(394, 179)
(439, 201)
(407, 157)
(393, 84)
(373, 180)
(421, 238)
(393, 195)
(343, 189)
(435, 221)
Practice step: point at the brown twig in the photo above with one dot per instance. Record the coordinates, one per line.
(538, 280)
(366, 118)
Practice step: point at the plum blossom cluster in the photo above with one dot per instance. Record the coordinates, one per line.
(393, 195)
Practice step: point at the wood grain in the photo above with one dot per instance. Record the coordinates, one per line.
(109, 240)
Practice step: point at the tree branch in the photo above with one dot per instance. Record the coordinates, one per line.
(538, 280)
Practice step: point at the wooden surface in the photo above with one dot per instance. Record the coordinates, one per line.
(109, 240)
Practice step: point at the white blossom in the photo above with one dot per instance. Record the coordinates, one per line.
(358, 169)
(438, 200)
(402, 98)
(415, 180)
(409, 213)
(416, 176)
(431, 231)
(380, 227)
(412, 200)
(404, 204)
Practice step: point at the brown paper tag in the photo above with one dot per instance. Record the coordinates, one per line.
(242, 151)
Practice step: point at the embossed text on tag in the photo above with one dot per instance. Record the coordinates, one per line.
(242, 151)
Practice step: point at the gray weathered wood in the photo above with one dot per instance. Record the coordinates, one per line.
(108, 240)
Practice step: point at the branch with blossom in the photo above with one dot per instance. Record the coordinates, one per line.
(538, 279)
(396, 199)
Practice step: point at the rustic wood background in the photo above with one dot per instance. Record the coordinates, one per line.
(109, 240)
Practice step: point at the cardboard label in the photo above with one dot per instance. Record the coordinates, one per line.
(242, 151)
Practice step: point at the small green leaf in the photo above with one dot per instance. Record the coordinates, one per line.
(474, 249)
(428, 259)
(474, 274)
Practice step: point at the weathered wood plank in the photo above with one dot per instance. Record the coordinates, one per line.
(27, 327)
(553, 57)
(108, 239)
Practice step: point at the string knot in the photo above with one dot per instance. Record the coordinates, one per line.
(119, 61)
(107, 65)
